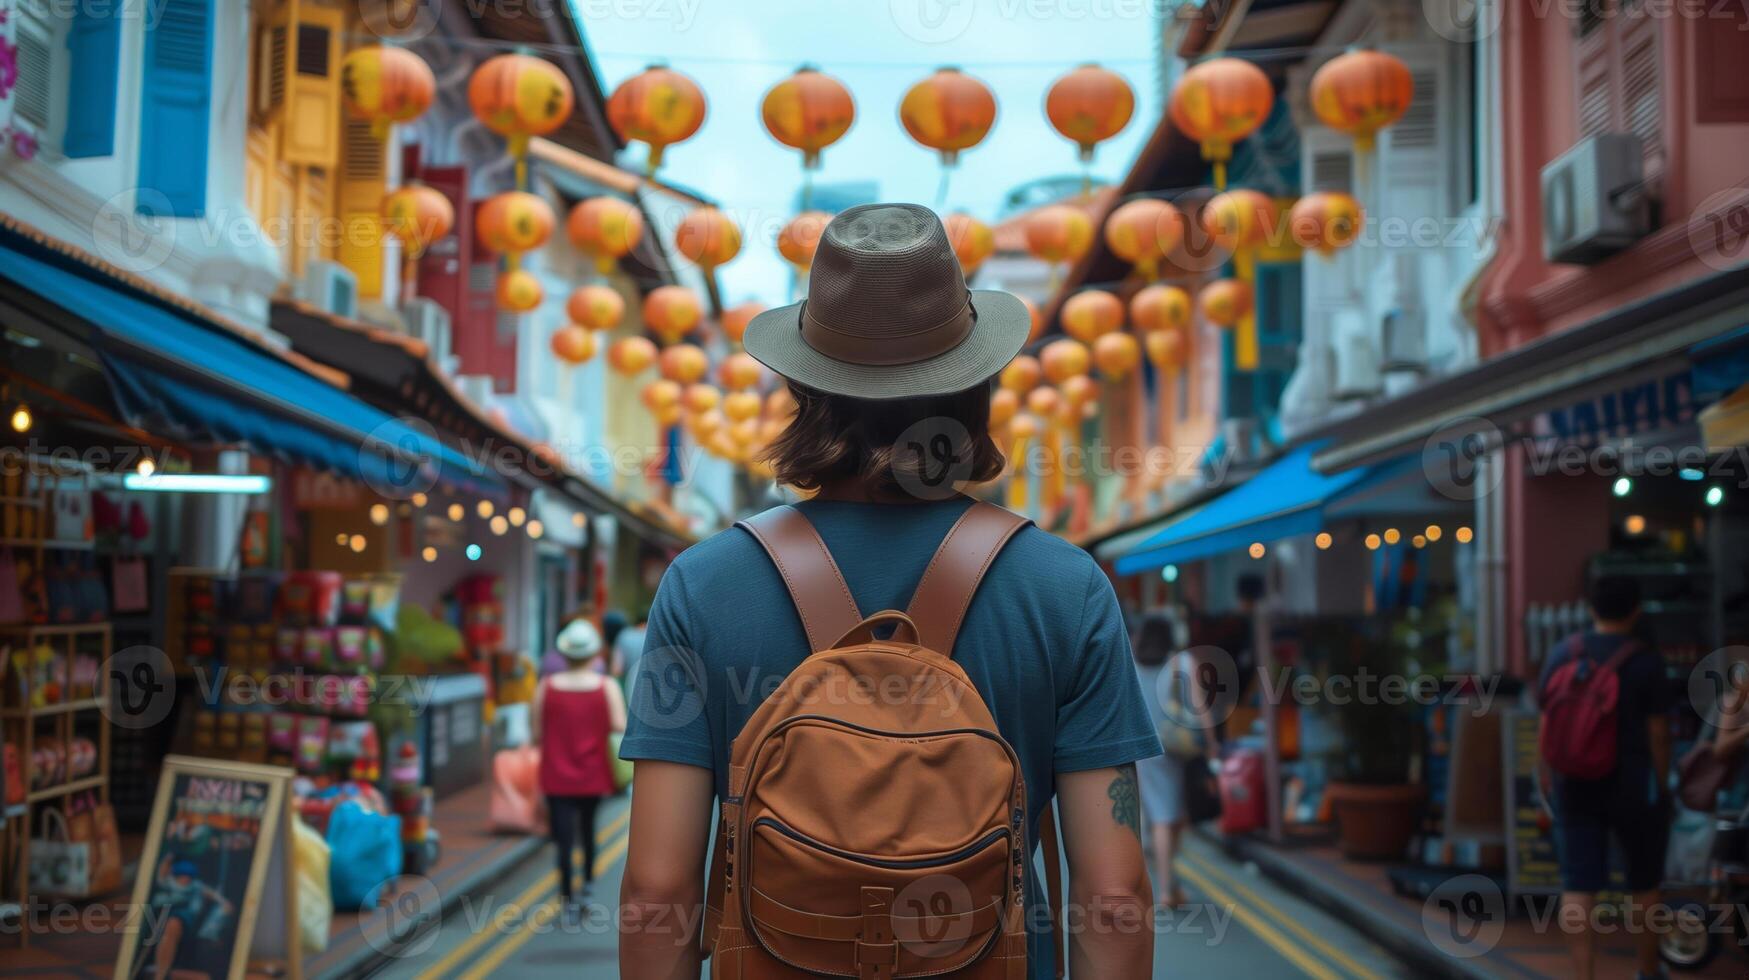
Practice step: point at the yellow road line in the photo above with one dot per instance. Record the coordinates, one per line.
(547, 883)
(519, 937)
(1318, 942)
(1262, 928)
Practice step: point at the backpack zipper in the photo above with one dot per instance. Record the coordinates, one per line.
(981, 844)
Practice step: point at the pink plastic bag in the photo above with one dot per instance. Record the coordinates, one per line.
(517, 804)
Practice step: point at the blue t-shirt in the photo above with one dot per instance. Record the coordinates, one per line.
(1043, 642)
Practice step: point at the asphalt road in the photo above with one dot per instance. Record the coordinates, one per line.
(1239, 925)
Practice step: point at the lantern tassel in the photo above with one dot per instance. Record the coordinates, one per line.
(941, 189)
(1245, 342)
(1220, 175)
(1017, 476)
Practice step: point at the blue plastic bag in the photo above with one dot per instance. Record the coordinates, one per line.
(365, 854)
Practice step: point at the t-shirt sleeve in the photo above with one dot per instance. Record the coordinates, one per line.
(1101, 718)
(666, 719)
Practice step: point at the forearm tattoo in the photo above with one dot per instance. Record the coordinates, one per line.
(1126, 805)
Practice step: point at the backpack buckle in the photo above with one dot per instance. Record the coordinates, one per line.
(876, 948)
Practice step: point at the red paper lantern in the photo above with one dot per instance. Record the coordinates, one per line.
(605, 229)
(1165, 349)
(801, 237)
(1004, 404)
(519, 96)
(707, 237)
(685, 363)
(1088, 105)
(1021, 375)
(513, 222)
(1058, 233)
(573, 344)
(519, 291)
(1092, 313)
(972, 240)
(1239, 219)
(948, 112)
(658, 106)
(1225, 301)
(1116, 354)
(1063, 359)
(1143, 232)
(416, 216)
(386, 85)
(1218, 103)
(1326, 221)
(1362, 92)
(595, 307)
(671, 312)
(736, 318)
(739, 370)
(631, 355)
(1158, 307)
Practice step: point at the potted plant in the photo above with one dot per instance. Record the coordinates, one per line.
(1374, 798)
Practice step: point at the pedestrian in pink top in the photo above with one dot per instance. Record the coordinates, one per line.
(575, 712)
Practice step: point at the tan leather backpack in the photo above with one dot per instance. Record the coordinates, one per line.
(876, 821)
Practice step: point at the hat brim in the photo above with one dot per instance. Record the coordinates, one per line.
(774, 338)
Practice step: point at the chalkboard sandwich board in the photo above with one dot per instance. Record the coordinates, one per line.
(214, 896)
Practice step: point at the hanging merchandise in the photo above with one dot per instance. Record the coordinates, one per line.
(972, 241)
(519, 96)
(1090, 314)
(1087, 106)
(595, 307)
(386, 85)
(671, 312)
(1218, 103)
(1243, 221)
(659, 107)
(1143, 232)
(948, 112)
(708, 238)
(808, 111)
(606, 229)
(1326, 222)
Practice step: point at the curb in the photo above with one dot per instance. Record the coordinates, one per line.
(367, 959)
(1405, 943)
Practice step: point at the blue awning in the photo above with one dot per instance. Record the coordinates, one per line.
(1284, 499)
(173, 374)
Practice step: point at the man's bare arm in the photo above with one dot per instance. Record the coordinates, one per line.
(1111, 929)
(662, 894)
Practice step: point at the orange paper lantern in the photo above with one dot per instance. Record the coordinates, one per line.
(519, 291)
(736, 318)
(1037, 318)
(658, 106)
(738, 371)
(605, 229)
(1218, 103)
(948, 112)
(519, 96)
(1326, 221)
(1003, 406)
(707, 237)
(595, 307)
(700, 397)
(1143, 232)
(1021, 375)
(780, 404)
(685, 363)
(513, 222)
(808, 111)
(1088, 105)
(1160, 307)
(972, 240)
(1165, 349)
(1063, 359)
(1362, 92)
(1058, 233)
(631, 355)
(417, 216)
(386, 85)
(1092, 313)
(1043, 401)
(1023, 427)
(1239, 219)
(573, 344)
(671, 312)
(1116, 355)
(660, 394)
(1225, 301)
(742, 405)
(801, 237)
(1079, 390)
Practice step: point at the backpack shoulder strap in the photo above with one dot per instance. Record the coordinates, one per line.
(822, 598)
(1628, 648)
(945, 592)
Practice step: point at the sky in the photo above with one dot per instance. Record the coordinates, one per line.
(738, 49)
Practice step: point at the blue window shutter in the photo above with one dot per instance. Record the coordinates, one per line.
(175, 104)
(93, 48)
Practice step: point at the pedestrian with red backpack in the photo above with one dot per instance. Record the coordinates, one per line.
(878, 692)
(1605, 746)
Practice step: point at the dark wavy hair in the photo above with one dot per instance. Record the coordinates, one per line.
(836, 438)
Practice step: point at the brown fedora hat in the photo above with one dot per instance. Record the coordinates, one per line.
(888, 314)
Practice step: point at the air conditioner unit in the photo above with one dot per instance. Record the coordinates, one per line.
(428, 321)
(1357, 367)
(1592, 205)
(329, 287)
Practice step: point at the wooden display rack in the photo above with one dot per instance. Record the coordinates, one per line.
(22, 722)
